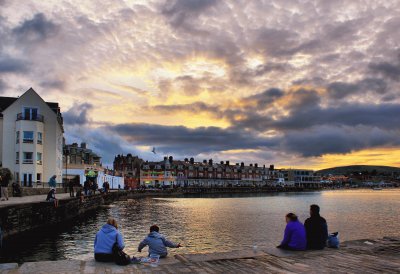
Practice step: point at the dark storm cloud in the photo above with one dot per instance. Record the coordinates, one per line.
(180, 13)
(320, 140)
(194, 108)
(389, 70)
(37, 29)
(54, 84)
(194, 141)
(265, 98)
(77, 114)
(340, 90)
(384, 116)
(271, 67)
(12, 65)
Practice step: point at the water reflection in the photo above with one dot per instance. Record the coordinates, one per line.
(206, 224)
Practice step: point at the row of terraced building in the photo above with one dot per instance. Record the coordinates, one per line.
(207, 173)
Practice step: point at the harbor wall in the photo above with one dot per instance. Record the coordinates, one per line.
(19, 218)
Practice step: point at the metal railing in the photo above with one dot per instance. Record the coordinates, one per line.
(37, 117)
(38, 184)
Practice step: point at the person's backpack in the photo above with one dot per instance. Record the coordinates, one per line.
(333, 240)
(120, 257)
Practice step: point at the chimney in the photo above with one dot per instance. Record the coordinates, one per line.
(210, 162)
(227, 163)
(241, 164)
(186, 160)
(222, 162)
(83, 145)
(165, 158)
(271, 167)
(237, 164)
(192, 161)
(264, 166)
(251, 165)
(171, 159)
(204, 161)
(256, 165)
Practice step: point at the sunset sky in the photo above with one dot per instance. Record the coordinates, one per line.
(292, 83)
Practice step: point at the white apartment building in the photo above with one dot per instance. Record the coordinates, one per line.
(31, 138)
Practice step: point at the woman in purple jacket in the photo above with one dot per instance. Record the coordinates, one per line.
(295, 234)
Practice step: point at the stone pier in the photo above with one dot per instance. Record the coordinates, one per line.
(361, 256)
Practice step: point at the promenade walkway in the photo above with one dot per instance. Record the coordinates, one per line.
(31, 199)
(362, 256)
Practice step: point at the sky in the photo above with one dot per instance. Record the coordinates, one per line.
(295, 83)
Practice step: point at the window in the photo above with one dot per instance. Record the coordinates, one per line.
(17, 137)
(38, 158)
(30, 113)
(28, 136)
(39, 138)
(17, 157)
(28, 158)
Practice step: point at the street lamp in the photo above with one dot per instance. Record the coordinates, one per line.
(66, 154)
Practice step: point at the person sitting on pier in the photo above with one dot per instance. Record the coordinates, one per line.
(16, 189)
(295, 234)
(107, 236)
(51, 197)
(157, 243)
(316, 229)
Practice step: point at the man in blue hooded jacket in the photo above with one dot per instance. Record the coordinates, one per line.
(105, 239)
(157, 243)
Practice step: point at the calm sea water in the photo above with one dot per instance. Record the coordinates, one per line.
(215, 223)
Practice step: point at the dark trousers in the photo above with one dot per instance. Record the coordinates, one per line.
(103, 257)
(286, 247)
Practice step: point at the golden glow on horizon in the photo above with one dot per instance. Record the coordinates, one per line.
(375, 156)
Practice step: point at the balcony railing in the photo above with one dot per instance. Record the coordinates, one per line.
(27, 161)
(37, 117)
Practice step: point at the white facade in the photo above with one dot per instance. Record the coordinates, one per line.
(114, 181)
(31, 140)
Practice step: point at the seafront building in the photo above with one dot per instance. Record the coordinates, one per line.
(31, 138)
(207, 173)
(300, 177)
(189, 173)
(128, 167)
(81, 163)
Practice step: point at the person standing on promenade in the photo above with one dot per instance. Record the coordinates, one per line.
(71, 188)
(295, 234)
(157, 243)
(52, 181)
(316, 229)
(5, 180)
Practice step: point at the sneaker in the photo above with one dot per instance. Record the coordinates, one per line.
(135, 260)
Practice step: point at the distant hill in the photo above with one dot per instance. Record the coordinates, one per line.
(347, 170)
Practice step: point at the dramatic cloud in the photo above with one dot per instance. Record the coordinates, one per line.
(12, 65)
(171, 139)
(285, 82)
(77, 114)
(35, 30)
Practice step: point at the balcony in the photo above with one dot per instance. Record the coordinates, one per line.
(36, 117)
(27, 161)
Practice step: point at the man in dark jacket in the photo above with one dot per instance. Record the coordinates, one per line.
(316, 229)
(5, 180)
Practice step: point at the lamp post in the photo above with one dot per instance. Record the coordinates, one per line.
(66, 154)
